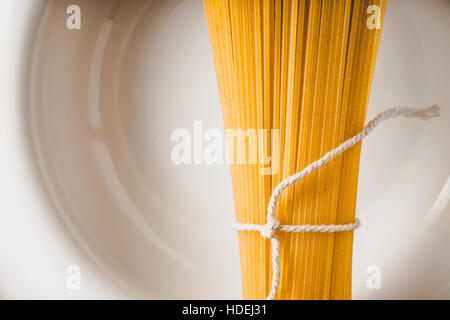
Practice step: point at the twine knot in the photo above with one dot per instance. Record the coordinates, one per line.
(270, 228)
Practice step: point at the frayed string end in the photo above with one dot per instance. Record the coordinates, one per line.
(427, 113)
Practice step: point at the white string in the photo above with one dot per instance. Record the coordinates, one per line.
(270, 229)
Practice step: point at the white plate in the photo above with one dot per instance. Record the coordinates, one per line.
(104, 101)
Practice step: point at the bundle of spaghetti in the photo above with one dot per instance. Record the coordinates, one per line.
(294, 79)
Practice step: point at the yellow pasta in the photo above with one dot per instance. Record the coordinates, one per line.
(300, 70)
